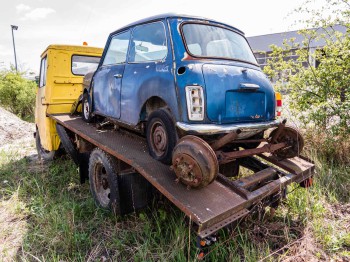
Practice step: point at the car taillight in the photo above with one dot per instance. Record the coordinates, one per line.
(278, 103)
(195, 103)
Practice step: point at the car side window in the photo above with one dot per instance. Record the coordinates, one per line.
(148, 43)
(43, 67)
(117, 49)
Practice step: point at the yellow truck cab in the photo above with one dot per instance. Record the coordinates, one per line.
(62, 69)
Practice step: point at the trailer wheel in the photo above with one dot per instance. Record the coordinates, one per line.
(86, 109)
(44, 154)
(161, 135)
(67, 143)
(104, 180)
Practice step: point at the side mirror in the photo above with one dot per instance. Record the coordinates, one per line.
(37, 80)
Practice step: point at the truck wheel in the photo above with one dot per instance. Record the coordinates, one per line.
(67, 143)
(44, 154)
(104, 181)
(86, 109)
(161, 135)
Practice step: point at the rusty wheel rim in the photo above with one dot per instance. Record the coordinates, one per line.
(101, 185)
(188, 170)
(86, 109)
(159, 138)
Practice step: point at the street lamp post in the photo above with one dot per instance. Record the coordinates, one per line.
(14, 27)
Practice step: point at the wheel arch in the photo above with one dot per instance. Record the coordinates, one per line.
(152, 104)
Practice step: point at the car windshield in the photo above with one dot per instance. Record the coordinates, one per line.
(213, 41)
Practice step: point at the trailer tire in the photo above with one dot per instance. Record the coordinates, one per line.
(161, 135)
(44, 154)
(67, 143)
(104, 181)
(86, 113)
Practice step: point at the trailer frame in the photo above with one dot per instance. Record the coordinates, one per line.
(211, 208)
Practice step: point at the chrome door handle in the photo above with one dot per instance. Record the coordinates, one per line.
(118, 75)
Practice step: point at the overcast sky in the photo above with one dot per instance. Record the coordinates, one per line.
(41, 23)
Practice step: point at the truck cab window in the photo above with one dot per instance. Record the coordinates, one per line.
(43, 67)
(81, 64)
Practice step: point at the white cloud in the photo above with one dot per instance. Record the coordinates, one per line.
(22, 8)
(38, 13)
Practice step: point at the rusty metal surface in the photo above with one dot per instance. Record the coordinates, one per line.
(225, 140)
(295, 165)
(211, 207)
(224, 223)
(206, 207)
(257, 178)
(225, 157)
(291, 137)
(194, 162)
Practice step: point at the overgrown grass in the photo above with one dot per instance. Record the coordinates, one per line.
(46, 215)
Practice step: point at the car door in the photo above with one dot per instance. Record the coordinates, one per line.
(108, 77)
(148, 71)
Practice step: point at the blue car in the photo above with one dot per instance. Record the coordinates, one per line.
(171, 75)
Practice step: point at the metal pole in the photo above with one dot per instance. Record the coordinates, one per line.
(14, 27)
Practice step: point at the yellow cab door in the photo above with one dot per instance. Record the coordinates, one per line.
(41, 120)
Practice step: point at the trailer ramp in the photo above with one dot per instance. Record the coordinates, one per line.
(210, 208)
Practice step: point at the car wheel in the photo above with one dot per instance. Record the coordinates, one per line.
(86, 109)
(103, 179)
(44, 154)
(161, 135)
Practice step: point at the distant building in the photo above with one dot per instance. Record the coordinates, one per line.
(261, 44)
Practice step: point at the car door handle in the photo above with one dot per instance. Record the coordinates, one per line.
(118, 75)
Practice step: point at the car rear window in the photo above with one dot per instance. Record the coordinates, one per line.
(216, 42)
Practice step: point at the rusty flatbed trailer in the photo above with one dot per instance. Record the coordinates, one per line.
(212, 207)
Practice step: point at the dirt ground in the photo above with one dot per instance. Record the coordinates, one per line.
(12, 128)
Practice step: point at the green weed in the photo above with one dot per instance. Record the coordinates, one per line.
(46, 215)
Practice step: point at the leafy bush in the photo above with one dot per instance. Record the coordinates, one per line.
(319, 92)
(17, 94)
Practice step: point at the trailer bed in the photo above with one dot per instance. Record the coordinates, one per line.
(211, 208)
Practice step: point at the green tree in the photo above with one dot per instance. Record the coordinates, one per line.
(17, 94)
(321, 93)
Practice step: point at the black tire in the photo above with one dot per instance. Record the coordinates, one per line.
(67, 143)
(104, 181)
(86, 109)
(44, 154)
(161, 135)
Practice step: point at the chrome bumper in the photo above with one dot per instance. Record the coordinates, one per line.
(247, 129)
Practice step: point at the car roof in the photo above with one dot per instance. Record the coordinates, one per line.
(172, 15)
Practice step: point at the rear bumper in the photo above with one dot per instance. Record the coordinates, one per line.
(247, 129)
